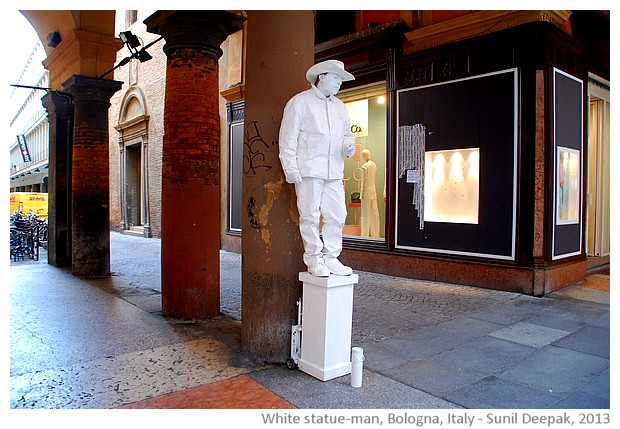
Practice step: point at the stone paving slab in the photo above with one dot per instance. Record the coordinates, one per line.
(557, 370)
(485, 355)
(589, 339)
(529, 335)
(496, 393)
(377, 391)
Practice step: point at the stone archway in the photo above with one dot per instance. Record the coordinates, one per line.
(133, 156)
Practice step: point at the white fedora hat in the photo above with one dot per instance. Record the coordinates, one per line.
(329, 66)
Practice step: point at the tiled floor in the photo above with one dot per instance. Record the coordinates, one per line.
(235, 393)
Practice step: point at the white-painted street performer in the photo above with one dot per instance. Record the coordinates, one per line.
(315, 136)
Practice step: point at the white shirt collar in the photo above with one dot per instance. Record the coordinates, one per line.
(319, 94)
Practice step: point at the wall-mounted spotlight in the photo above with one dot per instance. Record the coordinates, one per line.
(143, 56)
(53, 39)
(133, 43)
(130, 39)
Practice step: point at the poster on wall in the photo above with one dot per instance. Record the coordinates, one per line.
(568, 183)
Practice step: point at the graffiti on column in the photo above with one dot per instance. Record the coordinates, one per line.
(254, 152)
(253, 222)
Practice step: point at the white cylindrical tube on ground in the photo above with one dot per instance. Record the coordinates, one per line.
(357, 364)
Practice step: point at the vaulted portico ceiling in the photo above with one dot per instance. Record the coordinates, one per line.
(87, 44)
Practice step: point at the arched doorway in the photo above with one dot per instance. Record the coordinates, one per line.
(133, 146)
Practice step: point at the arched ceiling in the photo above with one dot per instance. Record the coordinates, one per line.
(65, 21)
(88, 44)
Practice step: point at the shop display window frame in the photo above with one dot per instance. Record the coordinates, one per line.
(568, 137)
(370, 91)
(568, 186)
(452, 191)
(454, 230)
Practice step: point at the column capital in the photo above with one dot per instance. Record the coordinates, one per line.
(202, 30)
(58, 103)
(86, 88)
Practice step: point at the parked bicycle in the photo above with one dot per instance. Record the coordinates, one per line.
(28, 234)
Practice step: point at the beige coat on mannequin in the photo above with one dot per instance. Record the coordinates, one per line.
(369, 218)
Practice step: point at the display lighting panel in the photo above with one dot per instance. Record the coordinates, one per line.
(451, 188)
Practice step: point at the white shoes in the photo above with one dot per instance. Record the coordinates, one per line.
(329, 266)
(318, 270)
(337, 268)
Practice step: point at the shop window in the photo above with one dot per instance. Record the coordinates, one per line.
(235, 177)
(235, 112)
(365, 170)
(451, 192)
(568, 186)
(568, 160)
(456, 166)
(598, 217)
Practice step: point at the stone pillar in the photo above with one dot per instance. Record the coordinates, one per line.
(190, 224)
(280, 49)
(90, 174)
(60, 116)
(540, 187)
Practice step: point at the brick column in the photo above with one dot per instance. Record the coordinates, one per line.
(60, 116)
(90, 174)
(190, 224)
(280, 49)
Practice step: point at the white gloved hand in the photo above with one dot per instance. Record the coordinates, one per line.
(349, 150)
(293, 178)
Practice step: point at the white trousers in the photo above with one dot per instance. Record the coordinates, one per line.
(316, 198)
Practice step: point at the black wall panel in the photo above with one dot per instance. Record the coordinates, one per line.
(471, 113)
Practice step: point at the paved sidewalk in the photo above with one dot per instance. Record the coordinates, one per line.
(102, 343)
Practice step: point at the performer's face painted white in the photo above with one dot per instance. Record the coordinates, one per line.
(329, 84)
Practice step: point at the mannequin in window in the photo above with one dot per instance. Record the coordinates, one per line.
(315, 136)
(370, 210)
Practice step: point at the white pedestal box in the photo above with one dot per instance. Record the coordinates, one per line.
(326, 323)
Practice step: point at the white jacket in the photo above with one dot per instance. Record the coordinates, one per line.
(314, 135)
